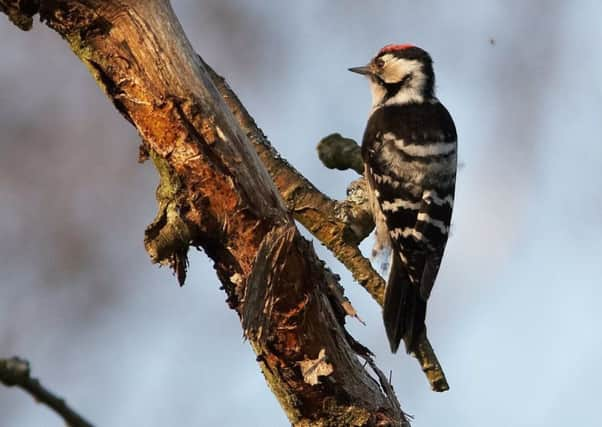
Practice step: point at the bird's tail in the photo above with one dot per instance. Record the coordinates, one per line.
(404, 310)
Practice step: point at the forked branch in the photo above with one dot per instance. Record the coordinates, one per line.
(216, 194)
(340, 226)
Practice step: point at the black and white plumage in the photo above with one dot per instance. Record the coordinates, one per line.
(409, 151)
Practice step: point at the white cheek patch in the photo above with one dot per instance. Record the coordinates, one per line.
(397, 68)
(394, 71)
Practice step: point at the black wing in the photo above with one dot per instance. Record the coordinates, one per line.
(410, 152)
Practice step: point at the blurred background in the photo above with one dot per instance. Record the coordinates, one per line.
(515, 311)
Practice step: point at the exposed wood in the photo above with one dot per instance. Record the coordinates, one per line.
(216, 194)
(340, 226)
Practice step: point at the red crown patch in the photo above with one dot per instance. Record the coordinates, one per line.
(395, 48)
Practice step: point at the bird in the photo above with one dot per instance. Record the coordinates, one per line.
(409, 150)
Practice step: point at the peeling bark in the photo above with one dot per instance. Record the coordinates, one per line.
(340, 226)
(216, 194)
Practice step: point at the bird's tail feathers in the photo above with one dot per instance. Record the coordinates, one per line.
(404, 310)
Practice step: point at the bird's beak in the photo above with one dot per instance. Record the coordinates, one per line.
(365, 70)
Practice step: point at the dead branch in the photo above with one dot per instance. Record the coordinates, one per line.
(15, 372)
(216, 194)
(340, 226)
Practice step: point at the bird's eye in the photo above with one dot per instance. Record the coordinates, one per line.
(379, 62)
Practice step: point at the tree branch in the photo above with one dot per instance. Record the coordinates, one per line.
(15, 372)
(340, 226)
(337, 152)
(215, 193)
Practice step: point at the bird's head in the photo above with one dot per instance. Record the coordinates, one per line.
(400, 74)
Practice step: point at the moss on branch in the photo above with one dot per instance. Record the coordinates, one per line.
(216, 193)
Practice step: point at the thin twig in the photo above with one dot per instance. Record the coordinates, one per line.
(15, 372)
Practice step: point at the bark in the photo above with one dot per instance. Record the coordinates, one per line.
(340, 226)
(216, 194)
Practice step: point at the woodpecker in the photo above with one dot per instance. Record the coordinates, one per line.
(409, 152)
